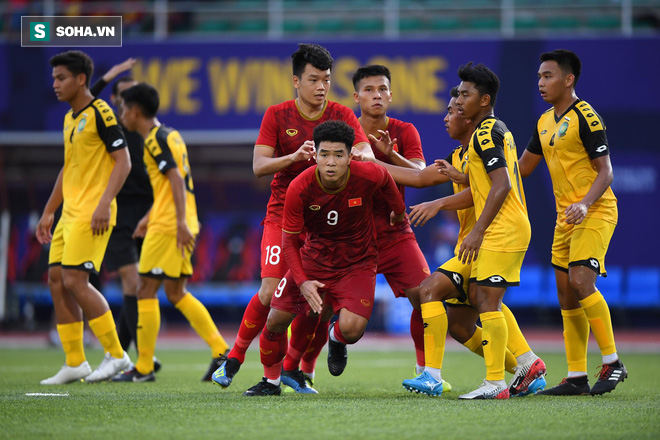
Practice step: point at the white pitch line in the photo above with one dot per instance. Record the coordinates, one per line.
(47, 394)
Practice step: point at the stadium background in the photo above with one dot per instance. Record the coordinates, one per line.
(219, 65)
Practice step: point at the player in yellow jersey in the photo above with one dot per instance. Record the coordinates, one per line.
(169, 231)
(96, 163)
(571, 137)
(497, 243)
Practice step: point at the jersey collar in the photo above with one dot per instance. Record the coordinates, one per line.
(570, 107)
(75, 115)
(325, 105)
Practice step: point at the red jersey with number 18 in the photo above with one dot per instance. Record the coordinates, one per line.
(339, 223)
(284, 128)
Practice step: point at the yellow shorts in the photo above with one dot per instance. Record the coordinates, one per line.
(75, 247)
(582, 245)
(160, 258)
(459, 274)
(497, 269)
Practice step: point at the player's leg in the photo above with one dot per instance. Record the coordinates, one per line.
(303, 334)
(128, 315)
(308, 361)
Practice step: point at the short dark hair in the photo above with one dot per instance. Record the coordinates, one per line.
(115, 85)
(454, 92)
(372, 70)
(317, 56)
(567, 61)
(334, 131)
(76, 62)
(144, 96)
(484, 79)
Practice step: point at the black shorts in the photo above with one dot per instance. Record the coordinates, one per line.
(122, 249)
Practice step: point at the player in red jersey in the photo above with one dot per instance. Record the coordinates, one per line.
(284, 149)
(399, 257)
(333, 202)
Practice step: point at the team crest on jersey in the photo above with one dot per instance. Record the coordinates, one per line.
(291, 132)
(81, 124)
(314, 207)
(365, 302)
(355, 202)
(563, 128)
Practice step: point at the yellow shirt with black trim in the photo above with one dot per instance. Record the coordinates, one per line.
(466, 218)
(89, 137)
(492, 147)
(569, 143)
(164, 150)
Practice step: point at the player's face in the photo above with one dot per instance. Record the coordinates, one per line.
(333, 161)
(552, 81)
(455, 124)
(373, 95)
(469, 103)
(117, 100)
(65, 84)
(313, 86)
(128, 116)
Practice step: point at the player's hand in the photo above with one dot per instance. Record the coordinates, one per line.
(469, 249)
(423, 212)
(184, 239)
(362, 156)
(141, 228)
(44, 228)
(450, 171)
(118, 68)
(305, 152)
(576, 213)
(385, 144)
(394, 218)
(101, 219)
(310, 290)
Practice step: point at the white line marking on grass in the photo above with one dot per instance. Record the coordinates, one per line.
(47, 394)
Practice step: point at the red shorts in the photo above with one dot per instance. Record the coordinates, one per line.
(353, 290)
(403, 265)
(272, 261)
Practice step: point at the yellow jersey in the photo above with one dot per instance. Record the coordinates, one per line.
(569, 143)
(492, 147)
(89, 137)
(466, 218)
(164, 149)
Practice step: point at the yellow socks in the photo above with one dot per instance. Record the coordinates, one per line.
(71, 336)
(201, 321)
(576, 338)
(516, 342)
(104, 329)
(147, 334)
(434, 316)
(598, 314)
(495, 335)
(474, 345)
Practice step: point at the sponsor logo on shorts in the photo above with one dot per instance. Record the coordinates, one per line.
(496, 279)
(365, 302)
(291, 132)
(88, 265)
(157, 271)
(594, 263)
(248, 324)
(314, 207)
(266, 352)
(458, 279)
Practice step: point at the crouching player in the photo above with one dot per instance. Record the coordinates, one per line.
(333, 202)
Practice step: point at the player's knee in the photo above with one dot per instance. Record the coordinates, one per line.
(74, 282)
(460, 332)
(426, 291)
(583, 286)
(277, 323)
(352, 333)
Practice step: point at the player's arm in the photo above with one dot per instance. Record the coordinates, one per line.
(111, 74)
(101, 216)
(386, 145)
(423, 212)
(264, 162)
(576, 212)
(445, 167)
(184, 238)
(141, 228)
(415, 178)
(44, 228)
(531, 156)
(392, 196)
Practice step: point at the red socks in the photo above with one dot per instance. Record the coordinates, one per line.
(417, 333)
(254, 320)
(303, 329)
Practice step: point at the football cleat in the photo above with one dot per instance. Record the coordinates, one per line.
(424, 384)
(215, 364)
(157, 365)
(69, 374)
(525, 375)
(133, 375)
(571, 386)
(226, 372)
(309, 378)
(297, 381)
(487, 390)
(264, 388)
(337, 356)
(537, 385)
(109, 367)
(609, 377)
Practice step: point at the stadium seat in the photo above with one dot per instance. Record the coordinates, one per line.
(445, 23)
(252, 25)
(411, 24)
(294, 26)
(368, 25)
(529, 22)
(643, 287)
(604, 22)
(563, 23)
(330, 25)
(484, 23)
(213, 26)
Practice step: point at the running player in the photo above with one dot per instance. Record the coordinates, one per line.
(571, 137)
(284, 148)
(96, 163)
(333, 203)
(169, 230)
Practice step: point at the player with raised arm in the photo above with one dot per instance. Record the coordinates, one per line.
(571, 137)
(333, 203)
(96, 163)
(497, 243)
(284, 148)
(169, 230)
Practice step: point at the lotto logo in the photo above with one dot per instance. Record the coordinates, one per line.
(161, 165)
(157, 271)
(88, 265)
(39, 31)
(601, 148)
(594, 262)
(457, 279)
(492, 162)
(496, 279)
(117, 143)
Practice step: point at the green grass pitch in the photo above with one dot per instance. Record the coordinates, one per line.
(367, 401)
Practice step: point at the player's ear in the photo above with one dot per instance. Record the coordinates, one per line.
(355, 97)
(81, 79)
(485, 100)
(296, 81)
(569, 80)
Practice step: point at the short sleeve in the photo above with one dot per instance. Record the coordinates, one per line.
(293, 221)
(490, 147)
(108, 129)
(534, 145)
(592, 133)
(412, 143)
(352, 120)
(161, 153)
(268, 130)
